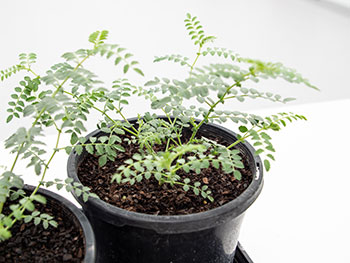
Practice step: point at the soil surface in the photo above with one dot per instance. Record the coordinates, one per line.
(149, 197)
(30, 243)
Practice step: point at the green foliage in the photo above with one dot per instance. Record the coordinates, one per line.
(273, 70)
(25, 142)
(210, 85)
(9, 180)
(163, 166)
(109, 50)
(22, 98)
(71, 186)
(26, 60)
(105, 147)
(42, 218)
(175, 58)
(220, 52)
(63, 98)
(98, 37)
(121, 57)
(66, 109)
(8, 72)
(11, 189)
(195, 31)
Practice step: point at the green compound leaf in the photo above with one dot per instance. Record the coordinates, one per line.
(126, 68)
(237, 174)
(267, 165)
(102, 160)
(39, 198)
(259, 151)
(9, 118)
(243, 129)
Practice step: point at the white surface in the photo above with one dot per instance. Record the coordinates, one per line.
(302, 34)
(344, 3)
(302, 214)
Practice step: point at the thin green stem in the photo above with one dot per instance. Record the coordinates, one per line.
(31, 71)
(49, 161)
(17, 155)
(85, 144)
(37, 156)
(105, 114)
(245, 136)
(182, 184)
(177, 135)
(168, 116)
(54, 123)
(187, 163)
(150, 149)
(212, 106)
(125, 119)
(232, 97)
(40, 181)
(167, 145)
(44, 108)
(173, 125)
(182, 152)
(196, 59)
(208, 103)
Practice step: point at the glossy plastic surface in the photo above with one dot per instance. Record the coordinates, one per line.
(241, 255)
(207, 237)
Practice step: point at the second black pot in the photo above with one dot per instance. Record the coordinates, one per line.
(73, 214)
(208, 237)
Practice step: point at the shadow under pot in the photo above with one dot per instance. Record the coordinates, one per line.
(72, 240)
(206, 237)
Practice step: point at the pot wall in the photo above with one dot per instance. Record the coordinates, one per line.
(136, 244)
(207, 237)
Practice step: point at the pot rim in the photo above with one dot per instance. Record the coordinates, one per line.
(176, 223)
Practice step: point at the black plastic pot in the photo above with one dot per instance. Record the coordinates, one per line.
(241, 255)
(207, 237)
(76, 215)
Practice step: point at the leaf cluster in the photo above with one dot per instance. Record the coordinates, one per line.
(23, 95)
(25, 62)
(105, 146)
(174, 58)
(70, 186)
(195, 31)
(8, 72)
(64, 96)
(11, 190)
(61, 98)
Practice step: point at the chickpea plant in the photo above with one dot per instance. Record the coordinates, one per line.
(64, 96)
(48, 101)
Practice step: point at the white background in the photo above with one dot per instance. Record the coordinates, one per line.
(302, 213)
(305, 35)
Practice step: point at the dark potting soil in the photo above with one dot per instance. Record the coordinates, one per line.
(30, 243)
(149, 197)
